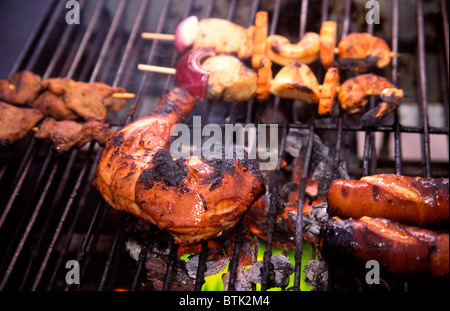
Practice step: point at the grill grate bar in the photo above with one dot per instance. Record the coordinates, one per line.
(301, 200)
(394, 79)
(423, 94)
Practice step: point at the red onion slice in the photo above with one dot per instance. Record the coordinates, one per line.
(189, 73)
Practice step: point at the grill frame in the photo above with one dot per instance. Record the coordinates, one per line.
(82, 163)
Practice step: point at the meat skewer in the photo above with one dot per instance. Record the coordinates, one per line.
(15, 122)
(194, 199)
(221, 35)
(67, 134)
(205, 74)
(399, 249)
(414, 201)
(23, 87)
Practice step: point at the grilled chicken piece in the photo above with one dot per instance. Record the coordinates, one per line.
(411, 200)
(296, 81)
(15, 122)
(88, 100)
(353, 92)
(194, 199)
(328, 32)
(328, 91)
(399, 249)
(69, 134)
(51, 105)
(21, 88)
(281, 51)
(229, 78)
(224, 37)
(362, 52)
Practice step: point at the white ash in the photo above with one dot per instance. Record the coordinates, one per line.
(282, 268)
(312, 224)
(316, 275)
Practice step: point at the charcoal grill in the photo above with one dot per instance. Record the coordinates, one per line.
(50, 213)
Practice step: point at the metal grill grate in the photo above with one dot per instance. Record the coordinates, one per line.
(50, 213)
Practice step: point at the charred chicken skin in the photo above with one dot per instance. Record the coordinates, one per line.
(399, 249)
(194, 199)
(415, 201)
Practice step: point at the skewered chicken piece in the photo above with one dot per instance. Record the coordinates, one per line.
(363, 52)
(194, 199)
(415, 201)
(296, 81)
(229, 79)
(399, 249)
(22, 88)
(221, 35)
(15, 122)
(88, 100)
(69, 134)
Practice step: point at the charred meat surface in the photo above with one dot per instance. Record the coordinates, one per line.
(22, 88)
(185, 197)
(415, 201)
(399, 249)
(15, 122)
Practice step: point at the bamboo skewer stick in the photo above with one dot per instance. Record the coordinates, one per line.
(158, 69)
(157, 36)
(124, 95)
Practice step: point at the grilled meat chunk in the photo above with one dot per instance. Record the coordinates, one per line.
(69, 134)
(399, 249)
(15, 122)
(411, 200)
(229, 78)
(52, 105)
(88, 100)
(224, 37)
(22, 88)
(194, 199)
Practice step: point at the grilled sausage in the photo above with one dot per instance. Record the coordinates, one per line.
(400, 250)
(414, 201)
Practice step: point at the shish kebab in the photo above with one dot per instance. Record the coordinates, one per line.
(357, 51)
